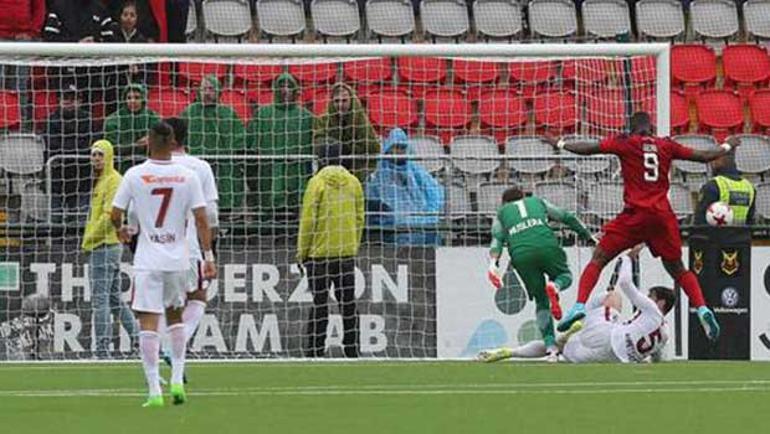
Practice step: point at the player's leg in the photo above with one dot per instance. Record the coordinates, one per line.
(531, 350)
(318, 283)
(196, 300)
(345, 291)
(174, 294)
(528, 267)
(148, 305)
(559, 275)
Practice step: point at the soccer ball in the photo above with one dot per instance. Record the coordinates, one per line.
(719, 214)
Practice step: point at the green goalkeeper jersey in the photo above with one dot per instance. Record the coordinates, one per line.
(523, 226)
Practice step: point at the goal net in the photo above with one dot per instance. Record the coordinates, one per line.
(475, 118)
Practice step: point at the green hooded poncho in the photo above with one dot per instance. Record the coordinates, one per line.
(123, 128)
(215, 129)
(353, 130)
(280, 129)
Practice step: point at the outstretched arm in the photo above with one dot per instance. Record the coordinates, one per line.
(580, 148)
(569, 219)
(704, 156)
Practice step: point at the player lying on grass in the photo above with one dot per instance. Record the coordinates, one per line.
(521, 225)
(647, 216)
(601, 337)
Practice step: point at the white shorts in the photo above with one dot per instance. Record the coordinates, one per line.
(593, 344)
(154, 291)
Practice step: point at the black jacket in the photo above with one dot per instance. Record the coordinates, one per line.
(73, 20)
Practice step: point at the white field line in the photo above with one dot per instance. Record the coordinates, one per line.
(121, 393)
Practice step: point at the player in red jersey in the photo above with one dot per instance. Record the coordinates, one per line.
(647, 216)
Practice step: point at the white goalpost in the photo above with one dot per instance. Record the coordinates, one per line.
(475, 115)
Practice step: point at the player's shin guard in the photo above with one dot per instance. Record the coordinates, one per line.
(191, 316)
(545, 325)
(691, 287)
(587, 281)
(178, 338)
(149, 343)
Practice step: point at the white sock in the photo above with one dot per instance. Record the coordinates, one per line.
(530, 350)
(149, 343)
(176, 334)
(192, 315)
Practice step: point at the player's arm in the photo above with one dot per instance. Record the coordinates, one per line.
(495, 251)
(576, 147)
(706, 155)
(626, 284)
(204, 236)
(119, 205)
(569, 219)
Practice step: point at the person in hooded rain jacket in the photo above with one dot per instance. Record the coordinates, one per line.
(130, 123)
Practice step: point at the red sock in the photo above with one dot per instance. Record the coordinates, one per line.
(691, 287)
(588, 280)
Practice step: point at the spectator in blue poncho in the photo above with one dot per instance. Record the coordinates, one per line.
(402, 194)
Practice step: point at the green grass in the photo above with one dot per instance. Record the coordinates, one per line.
(393, 397)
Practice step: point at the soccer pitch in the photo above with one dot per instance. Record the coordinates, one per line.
(392, 397)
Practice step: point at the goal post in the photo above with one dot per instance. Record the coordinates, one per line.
(475, 116)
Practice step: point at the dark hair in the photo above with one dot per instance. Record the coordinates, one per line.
(330, 154)
(666, 294)
(512, 194)
(641, 123)
(164, 132)
(128, 3)
(179, 126)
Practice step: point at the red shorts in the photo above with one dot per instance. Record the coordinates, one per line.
(658, 229)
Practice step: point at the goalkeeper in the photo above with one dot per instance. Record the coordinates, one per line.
(521, 226)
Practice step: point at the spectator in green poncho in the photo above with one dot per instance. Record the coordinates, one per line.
(282, 128)
(345, 121)
(130, 123)
(215, 129)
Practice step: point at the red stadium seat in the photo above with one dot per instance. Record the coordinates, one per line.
(606, 109)
(239, 101)
(556, 111)
(256, 74)
(421, 69)
(314, 73)
(680, 114)
(587, 71)
(168, 102)
(475, 72)
(9, 110)
(719, 113)
(532, 78)
(446, 111)
(261, 96)
(317, 98)
(693, 66)
(391, 108)
(745, 66)
(759, 104)
(502, 112)
(192, 73)
(44, 102)
(368, 71)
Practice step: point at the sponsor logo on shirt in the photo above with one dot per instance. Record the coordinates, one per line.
(152, 179)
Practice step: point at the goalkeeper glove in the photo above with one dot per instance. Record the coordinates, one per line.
(493, 274)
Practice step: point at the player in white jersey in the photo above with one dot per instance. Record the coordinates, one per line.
(602, 337)
(164, 194)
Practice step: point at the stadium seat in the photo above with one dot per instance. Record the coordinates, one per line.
(587, 71)
(753, 156)
(192, 24)
(261, 96)
(502, 112)
(497, 19)
(763, 201)
(431, 149)
(759, 105)
(444, 19)
(446, 112)
(314, 73)
(192, 73)
(755, 13)
(227, 20)
(378, 70)
(421, 70)
(552, 19)
(660, 19)
(720, 113)
(317, 98)
(693, 66)
(337, 19)
(714, 19)
(259, 75)
(563, 195)
(475, 72)
(696, 141)
(390, 19)
(9, 109)
(528, 146)
(605, 200)
(531, 78)
(681, 200)
(489, 198)
(586, 165)
(745, 66)
(21, 154)
(606, 19)
(555, 111)
(457, 201)
(281, 19)
(391, 109)
(680, 113)
(464, 151)
(44, 102)
(605, 110)
(239, 101)
(168, 102)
